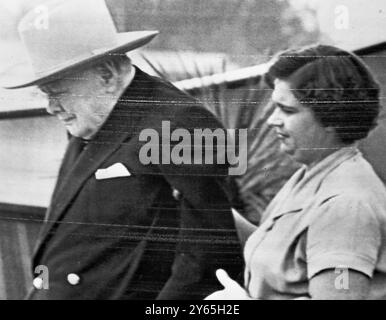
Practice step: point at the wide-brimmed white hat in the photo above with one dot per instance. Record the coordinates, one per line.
(60, 36)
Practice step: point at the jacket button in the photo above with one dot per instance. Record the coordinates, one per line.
(73, 279)
(38, 283)
(176, 194)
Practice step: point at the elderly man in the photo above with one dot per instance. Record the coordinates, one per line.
(118, 228)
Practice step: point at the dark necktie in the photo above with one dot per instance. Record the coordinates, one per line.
(74, 151)
(75, 148)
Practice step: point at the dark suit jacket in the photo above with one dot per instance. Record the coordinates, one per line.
(133, 237)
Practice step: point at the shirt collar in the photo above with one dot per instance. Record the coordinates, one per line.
(305, 183)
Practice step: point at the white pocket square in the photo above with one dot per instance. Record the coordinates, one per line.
(114, 171)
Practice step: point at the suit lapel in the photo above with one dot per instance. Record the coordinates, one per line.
(85, 166)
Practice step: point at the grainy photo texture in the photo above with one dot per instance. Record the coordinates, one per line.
(192, 150)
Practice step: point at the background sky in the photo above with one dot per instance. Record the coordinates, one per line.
(246, 32)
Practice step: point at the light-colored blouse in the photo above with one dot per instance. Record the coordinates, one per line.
(332, 216)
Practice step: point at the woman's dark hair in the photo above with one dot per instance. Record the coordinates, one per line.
(336, 84)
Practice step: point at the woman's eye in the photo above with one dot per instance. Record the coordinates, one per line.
(285, 109)
(288, 110)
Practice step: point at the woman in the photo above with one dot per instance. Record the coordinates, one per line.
(324, 234)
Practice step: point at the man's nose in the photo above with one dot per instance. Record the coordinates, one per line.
(54, 106)
(274, 119)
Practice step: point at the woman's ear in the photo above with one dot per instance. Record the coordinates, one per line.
(330, 130)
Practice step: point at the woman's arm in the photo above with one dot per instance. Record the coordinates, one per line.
(346, 285)
(326, 285)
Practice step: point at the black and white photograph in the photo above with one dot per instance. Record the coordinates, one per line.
(212, 151)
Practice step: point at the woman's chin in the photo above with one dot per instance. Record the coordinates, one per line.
(286, 149)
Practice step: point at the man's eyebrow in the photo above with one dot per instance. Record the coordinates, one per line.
(51, 90)
(47, 89)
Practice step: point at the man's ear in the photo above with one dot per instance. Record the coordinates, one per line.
(108, 75)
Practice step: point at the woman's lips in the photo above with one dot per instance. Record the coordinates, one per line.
(281, 135)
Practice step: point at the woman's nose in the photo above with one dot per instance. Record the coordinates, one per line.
(274, 119)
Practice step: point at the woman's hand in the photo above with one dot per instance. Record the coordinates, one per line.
(232, 290)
